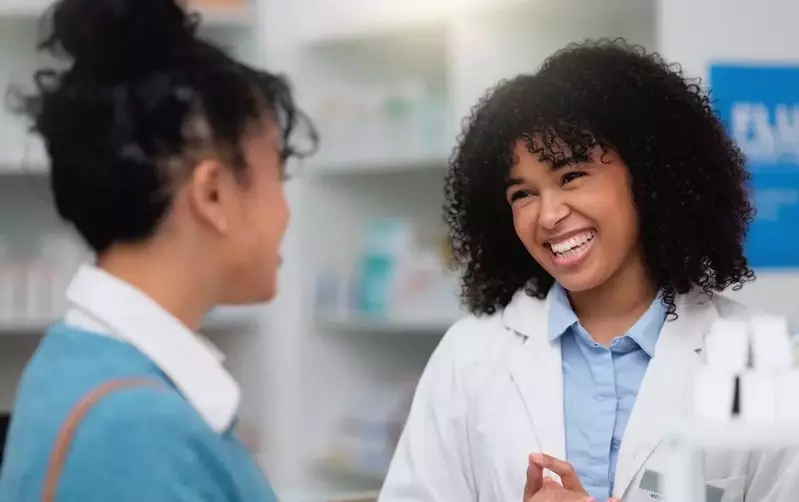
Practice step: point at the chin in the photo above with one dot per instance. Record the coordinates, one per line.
(263, 295)
(268, 296)
(251, 296)
(579, 283)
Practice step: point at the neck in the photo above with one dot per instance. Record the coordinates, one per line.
(614, 307)
(166, 276)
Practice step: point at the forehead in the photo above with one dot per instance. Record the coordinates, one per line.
(537, 156)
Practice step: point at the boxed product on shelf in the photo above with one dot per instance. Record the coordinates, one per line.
(397, 120)
(396, 277)
(367, 436)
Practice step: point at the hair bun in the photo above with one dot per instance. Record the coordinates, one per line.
(108, 36)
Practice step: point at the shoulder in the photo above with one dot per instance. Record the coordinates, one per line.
(475, 337)
(723, 307)
(475, 347)
(150, 408)
(144, 441)
(727, 307)
(472, 337)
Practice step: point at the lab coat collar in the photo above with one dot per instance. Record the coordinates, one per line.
(537, 373)
(106, 305)
(524, 314)
(536, 370)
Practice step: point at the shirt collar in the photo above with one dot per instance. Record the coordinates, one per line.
(561, 316)
(108, 305)
(645, 331)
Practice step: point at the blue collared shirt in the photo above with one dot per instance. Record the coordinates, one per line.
(600, 385)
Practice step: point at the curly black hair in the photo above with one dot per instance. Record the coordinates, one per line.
(689, 181)
(140, 92)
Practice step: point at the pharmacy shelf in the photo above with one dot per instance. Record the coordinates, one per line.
(348, 24)
(423, 163)
(222, 319)
(388, 326)
(214, 15)
(344, 474)
(366, 31)
(323, 495)
(33, 170)
(23, 328)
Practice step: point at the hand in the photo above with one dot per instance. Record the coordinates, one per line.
(540, 489)
(568, 477)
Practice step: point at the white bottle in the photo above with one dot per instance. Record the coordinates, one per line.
(726, 356)
(772, 358)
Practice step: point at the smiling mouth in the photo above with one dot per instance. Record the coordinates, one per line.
(572, 250)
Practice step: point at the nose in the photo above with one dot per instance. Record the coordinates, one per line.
(553, 210)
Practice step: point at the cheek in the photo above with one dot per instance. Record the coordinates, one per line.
(525, 221)
(613, 210)
(274, 212)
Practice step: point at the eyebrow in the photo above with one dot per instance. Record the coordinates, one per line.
(561, 163)
(554, 166)
(512, 182)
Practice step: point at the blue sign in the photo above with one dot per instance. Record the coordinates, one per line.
(760, 107)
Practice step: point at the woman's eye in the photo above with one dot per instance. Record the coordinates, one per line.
(571, 176)
(519, 194)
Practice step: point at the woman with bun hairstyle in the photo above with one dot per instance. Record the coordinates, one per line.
(168, 158)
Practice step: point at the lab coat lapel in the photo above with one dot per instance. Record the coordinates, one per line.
(664, 393)
(536, 371)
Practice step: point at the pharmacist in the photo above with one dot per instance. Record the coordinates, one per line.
(598, 210)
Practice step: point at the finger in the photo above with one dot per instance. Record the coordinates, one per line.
(535, 479)
(563, 495)
(614, 499)
(552, 484)
(563, 469)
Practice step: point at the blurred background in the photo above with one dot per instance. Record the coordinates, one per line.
(329, 370)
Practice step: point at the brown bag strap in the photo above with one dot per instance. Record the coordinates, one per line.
(70, 426)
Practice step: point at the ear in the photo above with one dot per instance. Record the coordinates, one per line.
(209, 190)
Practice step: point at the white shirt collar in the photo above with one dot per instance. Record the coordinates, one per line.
(107, 305)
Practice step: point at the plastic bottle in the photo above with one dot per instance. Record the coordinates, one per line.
(386, 242)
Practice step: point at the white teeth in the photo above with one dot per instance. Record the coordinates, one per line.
(565, 247)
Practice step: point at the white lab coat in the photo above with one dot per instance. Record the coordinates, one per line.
(493, 392)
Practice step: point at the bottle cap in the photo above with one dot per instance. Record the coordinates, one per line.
(772, 349)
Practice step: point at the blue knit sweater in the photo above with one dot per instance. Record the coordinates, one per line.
(144, 443)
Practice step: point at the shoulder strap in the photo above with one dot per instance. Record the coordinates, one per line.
(70, 425)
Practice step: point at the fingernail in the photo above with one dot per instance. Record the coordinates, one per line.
(537, 458)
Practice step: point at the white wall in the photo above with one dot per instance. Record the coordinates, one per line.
(694, 33)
